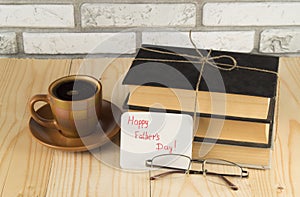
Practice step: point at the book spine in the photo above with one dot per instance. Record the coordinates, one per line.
(232, 142)
(143, 108)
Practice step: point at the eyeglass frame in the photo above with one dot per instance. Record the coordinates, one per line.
(244, 173)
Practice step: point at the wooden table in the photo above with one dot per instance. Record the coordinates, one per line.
(28, 168)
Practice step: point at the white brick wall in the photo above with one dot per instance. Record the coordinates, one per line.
(79, 43)
(280, 41)
(36, 16)
(131, 15)
(76, 28)
(251, 14)
(8, 43)
(242, 41)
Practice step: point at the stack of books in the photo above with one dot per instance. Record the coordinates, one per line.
(235, 110)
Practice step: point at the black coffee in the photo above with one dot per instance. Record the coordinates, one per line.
(75, 90)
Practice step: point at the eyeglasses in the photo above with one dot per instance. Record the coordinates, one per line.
(214, 169)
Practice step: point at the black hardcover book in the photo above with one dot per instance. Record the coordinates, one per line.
(184, 75)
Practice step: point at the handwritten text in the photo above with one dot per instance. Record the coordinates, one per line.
(140, 123)
(146, 136)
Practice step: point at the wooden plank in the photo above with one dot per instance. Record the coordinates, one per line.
(96, 173)
(81, 174)
(286, 150)
(25, 164)
(197, 185)
(290, 73)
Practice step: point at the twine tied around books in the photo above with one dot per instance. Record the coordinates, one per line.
(201, 59)
(209, 61)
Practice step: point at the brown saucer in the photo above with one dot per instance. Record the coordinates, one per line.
(54, 139)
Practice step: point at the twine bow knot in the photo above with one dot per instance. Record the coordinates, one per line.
(211, 60)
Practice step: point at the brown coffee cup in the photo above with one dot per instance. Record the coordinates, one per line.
(75, 102)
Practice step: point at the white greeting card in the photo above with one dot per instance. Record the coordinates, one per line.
(147, 134)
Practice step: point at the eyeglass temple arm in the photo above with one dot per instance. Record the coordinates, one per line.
(173, 170)
(222, 176)
(244, 175)
(229, 183)
(163, 167)
(166, 174)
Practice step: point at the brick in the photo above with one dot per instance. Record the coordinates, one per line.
(242, 41)
(280, 41)
(132, 15)
(8, 43)
(79, 43)
(248, 14)
(36, 16)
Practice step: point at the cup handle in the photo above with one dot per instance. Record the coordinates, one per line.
(50, 123)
